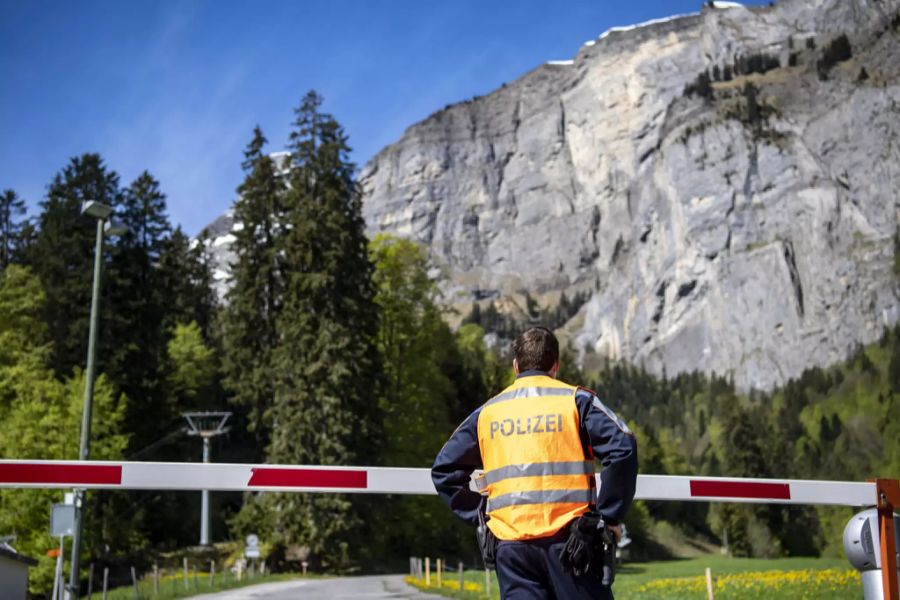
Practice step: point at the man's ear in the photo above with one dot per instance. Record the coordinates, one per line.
(554, 369)
(516, 366)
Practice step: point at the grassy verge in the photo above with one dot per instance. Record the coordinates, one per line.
(734, 579)
(172, 586)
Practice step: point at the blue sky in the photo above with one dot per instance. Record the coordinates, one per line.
(176, 86)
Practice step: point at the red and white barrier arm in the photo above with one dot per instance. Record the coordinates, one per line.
(383, 480)
(211, 476)
(757, 491)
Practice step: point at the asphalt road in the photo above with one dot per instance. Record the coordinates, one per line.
(376, 586)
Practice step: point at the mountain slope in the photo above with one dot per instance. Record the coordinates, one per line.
(723, 184)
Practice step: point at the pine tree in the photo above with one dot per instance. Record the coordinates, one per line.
(326, 409)
(743, 454)
(249, 321)
(894, 364)
(12, 209)
(187, 282)
(135, 341)
(63, 255)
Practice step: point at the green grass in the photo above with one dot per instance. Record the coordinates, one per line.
(636, 580)
(172, 586)
(801, 578)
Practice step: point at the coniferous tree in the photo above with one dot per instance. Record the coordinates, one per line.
(894, 364)
(326, 408)
(12, 209)
(480, 373)
(249, 321)
(63, 254)
(187, 280)
(135, 342)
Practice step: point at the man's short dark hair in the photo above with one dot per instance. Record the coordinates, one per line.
(536, 348)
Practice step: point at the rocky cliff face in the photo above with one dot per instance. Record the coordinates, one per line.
(724, 185)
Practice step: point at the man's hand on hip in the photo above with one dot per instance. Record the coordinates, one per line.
(616, 530)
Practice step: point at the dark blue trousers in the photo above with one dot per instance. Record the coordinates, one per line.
(532, 570)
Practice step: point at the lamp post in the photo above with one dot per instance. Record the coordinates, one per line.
(102, 213)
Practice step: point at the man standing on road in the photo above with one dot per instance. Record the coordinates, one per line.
(536, 442)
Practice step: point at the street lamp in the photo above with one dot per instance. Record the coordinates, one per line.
(102, 213)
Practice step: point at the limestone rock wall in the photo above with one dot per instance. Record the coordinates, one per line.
(747, 228)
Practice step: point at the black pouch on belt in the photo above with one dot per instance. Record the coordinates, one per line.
(487, 541)
(590, 545)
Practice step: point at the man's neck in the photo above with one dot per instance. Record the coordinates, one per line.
(533, 373)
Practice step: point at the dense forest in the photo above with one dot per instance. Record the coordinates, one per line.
(331, 348)
(839, 423)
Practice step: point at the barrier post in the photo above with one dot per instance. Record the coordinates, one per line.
(888, 497)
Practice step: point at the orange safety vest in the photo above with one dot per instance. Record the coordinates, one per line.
(537, 476)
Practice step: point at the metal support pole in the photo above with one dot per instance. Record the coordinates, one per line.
(58, 575)
(206, 425)
(204, 502)
(888, 499)
(871, 541)
(84, 446)
(888, 554)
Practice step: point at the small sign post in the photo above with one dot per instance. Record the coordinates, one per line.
(252, 548)
(62, 519)
(62, 523)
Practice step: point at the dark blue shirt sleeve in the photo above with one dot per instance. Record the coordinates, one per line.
(616, 447)
(453, 468)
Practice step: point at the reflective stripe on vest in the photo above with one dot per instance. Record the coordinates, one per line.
(537, 476)
(578, 467)
(528, 393)
(538, 497)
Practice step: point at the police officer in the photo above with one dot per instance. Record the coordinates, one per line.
(536, 442)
